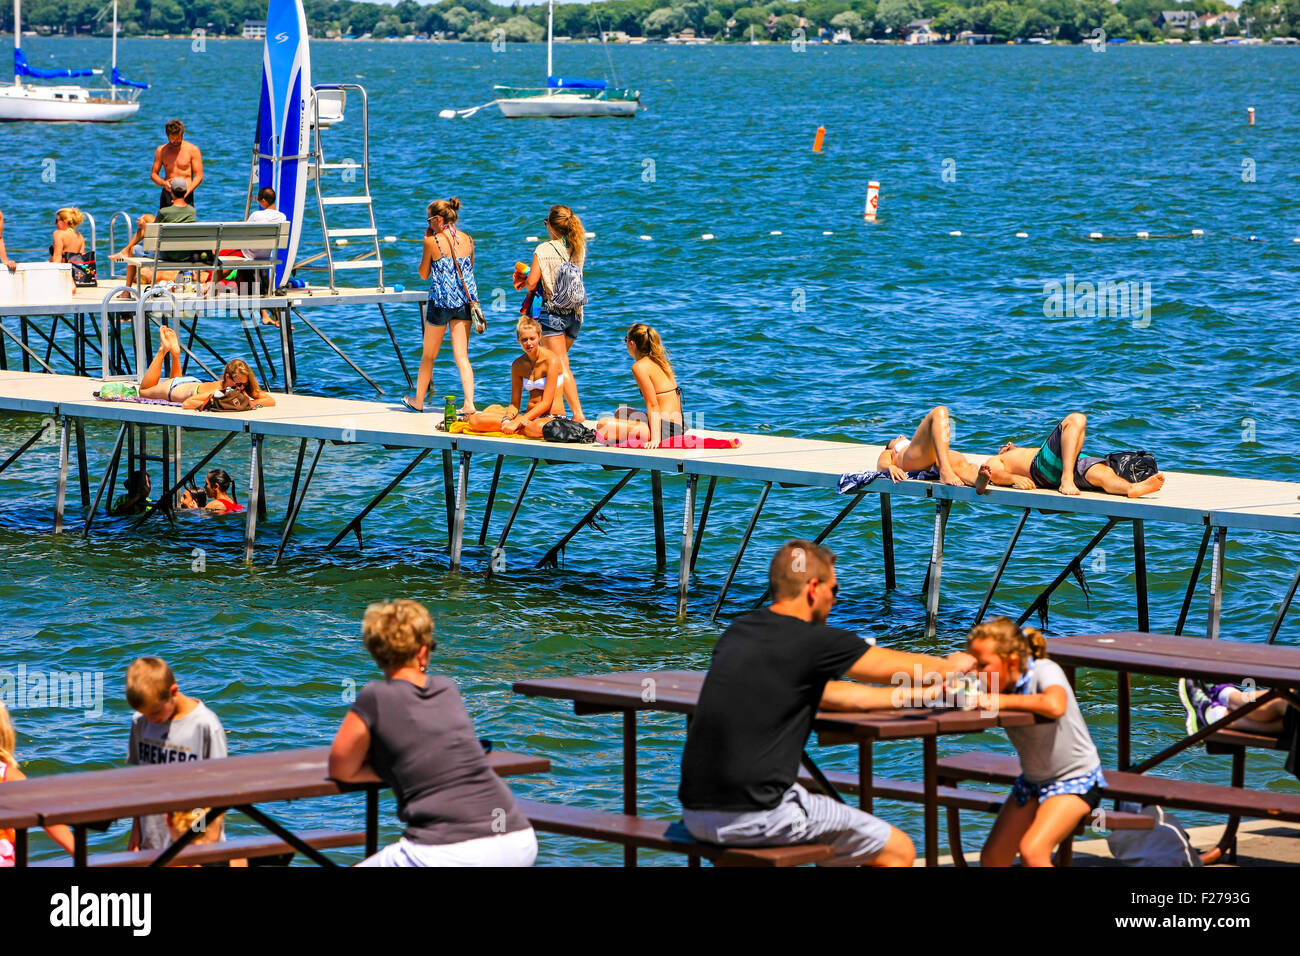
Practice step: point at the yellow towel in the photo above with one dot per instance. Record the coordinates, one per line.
(462, 428)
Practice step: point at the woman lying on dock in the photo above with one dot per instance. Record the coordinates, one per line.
(928, 449)
(188, 389)
(536, 373)
(659, 390)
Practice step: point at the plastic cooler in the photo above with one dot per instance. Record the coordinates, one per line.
(43, 282)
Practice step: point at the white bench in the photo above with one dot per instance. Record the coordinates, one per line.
(206, 239)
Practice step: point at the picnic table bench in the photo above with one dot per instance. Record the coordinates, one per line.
(1214, 661)
(207, 239)
(84, 799)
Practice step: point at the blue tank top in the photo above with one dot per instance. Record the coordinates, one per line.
(445, 290)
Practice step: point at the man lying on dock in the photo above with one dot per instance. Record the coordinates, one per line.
(771, 671)
(1059, 463)
(928, 449)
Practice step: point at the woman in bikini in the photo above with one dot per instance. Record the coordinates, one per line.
(535, 374)
(66, 241)
(189, 390)
(659, 389)
(220, 488)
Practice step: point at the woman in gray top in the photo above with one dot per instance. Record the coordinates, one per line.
(1060, 781)
(411, 731)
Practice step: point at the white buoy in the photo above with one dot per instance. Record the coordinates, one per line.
(828, 233)
(1295, 238)
(390, 238)
(338, 242)
(1198, 232)
(1144, 235)
(1250, 115)
(775, 232)
(591, 235)
(445, 114)
(707, 235)
(1095, 235)
(530, 239)
(873, 200)
(955, 232)
(1022, 235)
(645, 238)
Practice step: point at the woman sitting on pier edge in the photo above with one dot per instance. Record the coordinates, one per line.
(535, 373)
(659, 389)
(188, 389)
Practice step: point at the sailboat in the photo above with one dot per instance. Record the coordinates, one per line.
(69, 103)
(565, 97)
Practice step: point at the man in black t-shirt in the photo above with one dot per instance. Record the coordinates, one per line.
(772, 670)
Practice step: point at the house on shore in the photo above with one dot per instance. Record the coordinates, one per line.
(254, 30)
(918, 33)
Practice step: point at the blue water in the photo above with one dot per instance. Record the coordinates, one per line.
(896, 316)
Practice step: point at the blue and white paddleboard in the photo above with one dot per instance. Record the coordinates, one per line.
(282, 120)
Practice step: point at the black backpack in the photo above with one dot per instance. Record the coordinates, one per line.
(1133, 466)
(568, 431)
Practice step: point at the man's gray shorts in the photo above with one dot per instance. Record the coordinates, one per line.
(800, 817)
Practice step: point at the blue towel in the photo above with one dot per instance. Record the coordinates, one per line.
(857, 480)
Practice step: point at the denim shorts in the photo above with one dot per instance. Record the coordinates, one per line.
(441, 315)
(568, 324)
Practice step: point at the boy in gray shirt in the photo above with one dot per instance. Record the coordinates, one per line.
(168, 727)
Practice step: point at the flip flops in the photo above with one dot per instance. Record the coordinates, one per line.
(410, 407)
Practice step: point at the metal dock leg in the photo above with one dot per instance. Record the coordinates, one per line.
(110, 470)
(83, 473)
(1140, 569)
(887, 540)
(825, 533)
(1195, 578)
(169, 493)
(704, 519)
(61, 492)
(1042, 599)
(498, 553)
(397, 349)
(1286, 604)
(355, 523)
(551, 557)
(341, 354)
(295, 504)
(1216, 583)
(40, 432)
(492, 498)
(688, 550)
(661, 543)
(1002, 566)
(458, 522)
(941, 509)
(449, 494)
(286, 350)
(740, 552)
(254, 495)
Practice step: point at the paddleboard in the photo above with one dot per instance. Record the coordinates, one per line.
(282, 121)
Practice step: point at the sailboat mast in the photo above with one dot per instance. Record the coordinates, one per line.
(113, 86)
(550, 31)
(18, 32)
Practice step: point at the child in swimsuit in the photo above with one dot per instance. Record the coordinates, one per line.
(653, 372)
(1061, 779)
(532, 375)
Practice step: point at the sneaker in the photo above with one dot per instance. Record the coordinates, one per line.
(1195, 701)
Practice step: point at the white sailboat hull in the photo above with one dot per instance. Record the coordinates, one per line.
(561, 105)
(62, 104)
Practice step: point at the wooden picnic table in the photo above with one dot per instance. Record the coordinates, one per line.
(678, 692)
(85, 798)
(1161, 655)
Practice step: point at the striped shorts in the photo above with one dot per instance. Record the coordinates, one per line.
(800, 817)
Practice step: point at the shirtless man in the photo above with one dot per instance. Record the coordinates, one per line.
(1059, 464)
(928, 448)
(176, 159)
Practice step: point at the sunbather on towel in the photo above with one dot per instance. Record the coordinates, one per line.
(537, 373)
(926, 449)
(188, 389)
(1059, 463)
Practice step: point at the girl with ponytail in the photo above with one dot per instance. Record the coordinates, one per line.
(1061, 779)
(567, 243)
(659, 389)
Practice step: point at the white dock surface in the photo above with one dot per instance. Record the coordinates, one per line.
(1187, 498)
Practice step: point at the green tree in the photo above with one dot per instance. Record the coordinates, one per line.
(851, 21)
(714, 23)
(1115, 25)
(458, 19)
(951, 21)
(896, 14)
(663, 21)
(523, 30)
(1035, 23)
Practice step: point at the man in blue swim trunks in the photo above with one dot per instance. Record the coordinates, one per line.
(1059, 463)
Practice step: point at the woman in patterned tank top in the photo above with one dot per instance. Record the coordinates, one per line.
(446, 248)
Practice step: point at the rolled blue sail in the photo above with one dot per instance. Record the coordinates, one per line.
(23, 68)
(120, 80)
(560, 83)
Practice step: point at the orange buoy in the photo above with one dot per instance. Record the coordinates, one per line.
(1250, 117)
(817, 140)
(873, 200)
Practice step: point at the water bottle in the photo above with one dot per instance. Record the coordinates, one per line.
(449, 410)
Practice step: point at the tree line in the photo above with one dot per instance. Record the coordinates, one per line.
(723, 20)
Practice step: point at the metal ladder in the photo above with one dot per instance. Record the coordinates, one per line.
(371, 257)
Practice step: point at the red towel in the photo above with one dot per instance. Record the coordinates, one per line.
(685, 441)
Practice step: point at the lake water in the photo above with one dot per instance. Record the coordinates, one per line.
(833, 329)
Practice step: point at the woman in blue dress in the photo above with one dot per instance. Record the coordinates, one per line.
(448, 264)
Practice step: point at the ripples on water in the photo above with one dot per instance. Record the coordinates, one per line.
(899, 316)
